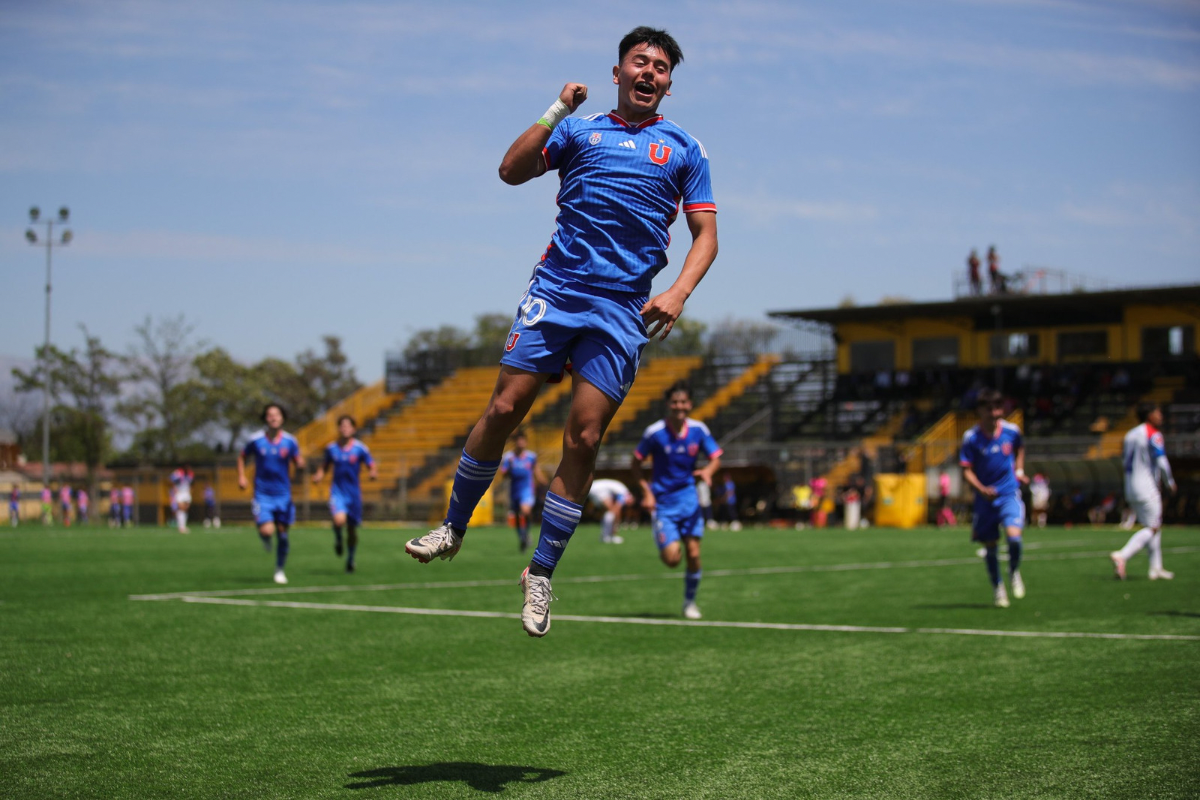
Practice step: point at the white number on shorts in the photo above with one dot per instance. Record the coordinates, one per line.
(529, 316)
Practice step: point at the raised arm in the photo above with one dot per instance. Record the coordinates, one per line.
(523, 161)
(662, 311)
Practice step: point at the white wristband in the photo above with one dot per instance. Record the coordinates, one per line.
(1020, 473)
(555, 114)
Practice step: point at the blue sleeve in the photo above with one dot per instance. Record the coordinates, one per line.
(966, 456)
(710, 445)
(366, 455)
(506, 464)
(1018, 441)
(644, 448)
(248, 451)
(560, 148)
(697, 185)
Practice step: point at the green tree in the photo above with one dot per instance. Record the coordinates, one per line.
(83, 386)
(685, 339)
(164, 412)
(229, 391)
(330, 376)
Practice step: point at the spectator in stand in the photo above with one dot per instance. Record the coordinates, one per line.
(973, 265)
(945, 515)
(84, 502)
(995, 277)
(1039, 494)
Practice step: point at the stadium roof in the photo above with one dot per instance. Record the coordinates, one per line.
(1016, 309)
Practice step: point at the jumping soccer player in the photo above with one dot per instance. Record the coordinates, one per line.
(1145, 460)
(347, 456)
(623, 177)
(674, 444)
(273, 451)
(182, 480)
(612, 496)
(993, 462)
(524, 475)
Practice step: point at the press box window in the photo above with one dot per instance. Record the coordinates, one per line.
(872, 356)
(1083, 344)
(1006, 346)
(1170, 342)
(939, 352)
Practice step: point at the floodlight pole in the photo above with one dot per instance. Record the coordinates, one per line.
(31, 236)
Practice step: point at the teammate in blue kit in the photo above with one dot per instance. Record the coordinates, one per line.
(524, 475)
(674, 444)
(623, 177)
(993, 462)
(347, 456)
(273, 451)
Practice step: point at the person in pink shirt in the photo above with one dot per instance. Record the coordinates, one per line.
(83, 502)
(127, 505)
(47, 506)
(64, 500)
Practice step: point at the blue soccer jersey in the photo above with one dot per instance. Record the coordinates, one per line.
(675, 460)
(347, 463)
(993, 459)
(271, 461)
(621, 187)
(520, 472)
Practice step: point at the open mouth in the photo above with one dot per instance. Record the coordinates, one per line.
(644, 90)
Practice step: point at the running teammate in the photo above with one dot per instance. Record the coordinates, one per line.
(1146, 464)
(623, 178)
(524, 476)
(14, 506)
(182, 480)
(674, 444)
(273, 451)
(612, 496)
(993, 462)
(347, 456)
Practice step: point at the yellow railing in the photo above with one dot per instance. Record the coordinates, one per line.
(735, 388)
(1112, 440)
(363, 405)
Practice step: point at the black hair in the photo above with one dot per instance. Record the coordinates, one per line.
(269, 406)
(678, 386)
(1145, 409)
(346, 416)
(653, 37)
(520, 434)
(990, 398)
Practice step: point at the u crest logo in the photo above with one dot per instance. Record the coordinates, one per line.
(512, 342)
(659, 153)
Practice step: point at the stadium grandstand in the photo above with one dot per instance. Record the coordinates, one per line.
(847, 393)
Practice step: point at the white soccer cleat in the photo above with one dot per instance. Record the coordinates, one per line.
(617, 540)
(441, 542)
(280, 578)
(981, 552)
(1118, 565)
(1001, 599)
(1161, 575)
(535, 614)
(691, 610)
(1018, 586)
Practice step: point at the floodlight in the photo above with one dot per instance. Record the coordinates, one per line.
(34, 213)
(64, 214)
(30, 236)
(67, 237)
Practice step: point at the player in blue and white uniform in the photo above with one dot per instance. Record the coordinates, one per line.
(346, 456)
(181, 495)
(612, 496)
(623, 178)
(993, 462)
(675, 444)
(524, 475)
(1146, 466)
(14, 506)
(274, 452)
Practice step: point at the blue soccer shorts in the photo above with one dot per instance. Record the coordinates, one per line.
(346, 503)
(671, 524)
(521, 497)
(279, 510)
(994, 514)
(599, 331)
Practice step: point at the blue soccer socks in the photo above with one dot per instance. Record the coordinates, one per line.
(691, 583)
(559, 519)
(470, 482)
(1014, 554)
(282, 546)
(992, 559)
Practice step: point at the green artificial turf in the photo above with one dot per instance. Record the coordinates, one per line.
(106, 696)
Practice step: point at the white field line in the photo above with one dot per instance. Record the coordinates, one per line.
(679, 623)
(714, 573)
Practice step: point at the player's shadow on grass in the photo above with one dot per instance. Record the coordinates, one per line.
(1173, 614)
(481, 777)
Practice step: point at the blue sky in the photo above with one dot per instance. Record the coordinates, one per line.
(281, 170)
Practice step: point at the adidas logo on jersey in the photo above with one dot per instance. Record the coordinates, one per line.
(628, 143)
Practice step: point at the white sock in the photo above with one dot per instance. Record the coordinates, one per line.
(1155, 546)
(1136, 543)
(181, 518)
(609, 518)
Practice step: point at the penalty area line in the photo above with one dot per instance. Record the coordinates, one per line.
(679, 623)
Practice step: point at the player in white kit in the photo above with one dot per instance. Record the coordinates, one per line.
(182, 480)
(612, 496)
(1145, 461)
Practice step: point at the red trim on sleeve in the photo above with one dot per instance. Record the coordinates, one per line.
(546, 157)
(694, 207)
(964, 463)
(716, 453)
(638, 455)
